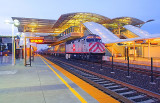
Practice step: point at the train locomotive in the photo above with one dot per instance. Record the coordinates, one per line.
(89, 48)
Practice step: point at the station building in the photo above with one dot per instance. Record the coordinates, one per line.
(131, 39)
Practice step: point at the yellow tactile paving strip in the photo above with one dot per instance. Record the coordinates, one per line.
(70, 88)
(94, 92)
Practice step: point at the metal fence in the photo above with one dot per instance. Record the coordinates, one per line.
(149, 66)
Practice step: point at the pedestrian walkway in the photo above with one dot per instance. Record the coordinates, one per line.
(39, 84)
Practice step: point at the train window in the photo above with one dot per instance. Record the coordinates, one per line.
(90, 40)
(97, 40)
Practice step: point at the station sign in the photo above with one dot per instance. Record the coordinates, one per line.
(36, 40)
(140, 41)
(42, 40)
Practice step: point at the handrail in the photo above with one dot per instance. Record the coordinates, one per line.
(68, 30)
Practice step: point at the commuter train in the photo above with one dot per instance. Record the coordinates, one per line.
(89, 47)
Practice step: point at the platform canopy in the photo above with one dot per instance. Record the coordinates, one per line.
(108, 37)
(47, 27)
(35, 25)
(6, 35)
(74, 19)
(126, 21)
(117, 24)
(51, 27)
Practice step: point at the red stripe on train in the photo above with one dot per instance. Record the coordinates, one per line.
(90, 44)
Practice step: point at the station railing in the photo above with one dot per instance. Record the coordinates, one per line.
(148, 65)
(69, 30)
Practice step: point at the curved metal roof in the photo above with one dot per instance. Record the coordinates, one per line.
(76, 18)
(127, 21)
(35, 25)
(72, 19)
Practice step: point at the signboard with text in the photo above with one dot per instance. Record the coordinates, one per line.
(36, 41)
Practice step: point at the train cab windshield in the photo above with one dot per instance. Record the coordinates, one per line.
(93, 39)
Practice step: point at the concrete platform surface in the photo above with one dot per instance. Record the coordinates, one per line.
(37, 84)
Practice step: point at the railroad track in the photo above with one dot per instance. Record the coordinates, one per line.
(125, 68)
(118, 90)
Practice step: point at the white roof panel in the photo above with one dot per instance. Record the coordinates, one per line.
(108, 37)
(139, 32)
(98, 29)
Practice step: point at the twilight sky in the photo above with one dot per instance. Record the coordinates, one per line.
(52, 9)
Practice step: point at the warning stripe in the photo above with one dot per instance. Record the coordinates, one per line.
(101, 49)
(101, 45)
(90, 44)
(93, 46)
(97, 49)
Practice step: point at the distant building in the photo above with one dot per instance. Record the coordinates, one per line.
(5, 42)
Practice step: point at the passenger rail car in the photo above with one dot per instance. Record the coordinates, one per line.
(89, 47)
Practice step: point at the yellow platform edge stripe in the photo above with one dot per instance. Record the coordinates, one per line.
(70, 88)
(100, 96)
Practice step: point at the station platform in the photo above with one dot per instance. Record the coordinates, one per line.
(45, 82)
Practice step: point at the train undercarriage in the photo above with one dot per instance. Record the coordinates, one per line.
(93, 57)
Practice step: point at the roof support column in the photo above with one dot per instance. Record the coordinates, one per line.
(112, 50)
(14, 51)
(142, 51)
(149, 50)
(81, 28)
(134, 51)
(25, 51)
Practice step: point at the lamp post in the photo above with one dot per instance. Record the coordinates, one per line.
(14, 23)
